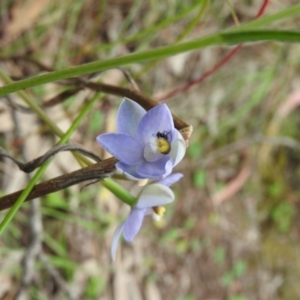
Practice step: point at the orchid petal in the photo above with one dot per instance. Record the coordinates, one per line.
(169, 168)
(133, 223)
(124, 147)
(157, 119)
(115, 241)
(128, 171)
(178, 148)
(156, 169)
(129, 116)
(171, 179)
(155, 195)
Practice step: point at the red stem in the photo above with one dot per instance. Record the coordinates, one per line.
(220, 64)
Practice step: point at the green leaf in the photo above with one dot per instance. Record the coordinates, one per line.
(226, 38)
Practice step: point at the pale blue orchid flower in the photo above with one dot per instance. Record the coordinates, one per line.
(147, 144)
(150, 202)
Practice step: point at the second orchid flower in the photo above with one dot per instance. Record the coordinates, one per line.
(150, 202)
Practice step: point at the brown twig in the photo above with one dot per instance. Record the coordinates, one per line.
(35, 163)
(98, 171)
(133, 93)
(17, 58)
(61, 97)
(234, 185)
(34, 250)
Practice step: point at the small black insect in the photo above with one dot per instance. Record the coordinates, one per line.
(163, 135)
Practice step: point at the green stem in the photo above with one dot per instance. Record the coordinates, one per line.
(8, 217)
(114, 187)
(119, 191)
(42, 169)
(227, 38)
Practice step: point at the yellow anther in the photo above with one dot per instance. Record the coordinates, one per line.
(163, 146)
(159, 210)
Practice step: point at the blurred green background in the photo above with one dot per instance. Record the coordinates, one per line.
(233, 232)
